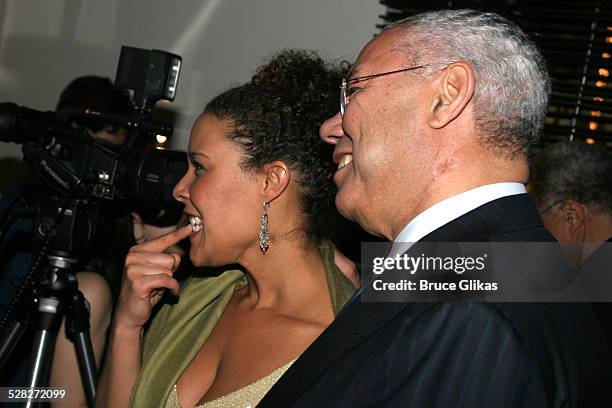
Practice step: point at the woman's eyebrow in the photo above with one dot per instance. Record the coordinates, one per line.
(192, 155)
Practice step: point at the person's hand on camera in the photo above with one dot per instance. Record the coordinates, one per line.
(148, 272)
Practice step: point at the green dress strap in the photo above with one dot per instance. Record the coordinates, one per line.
(340, 287)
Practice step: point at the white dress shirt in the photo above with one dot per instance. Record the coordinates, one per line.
(450, 209)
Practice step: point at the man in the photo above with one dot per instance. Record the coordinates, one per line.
(93, 92)
(19, 249)
(437, 118)
(99, 94)
(571, 184)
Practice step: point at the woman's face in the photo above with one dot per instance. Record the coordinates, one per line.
(219, 195)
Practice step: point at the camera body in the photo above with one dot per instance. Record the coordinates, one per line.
(71, 179)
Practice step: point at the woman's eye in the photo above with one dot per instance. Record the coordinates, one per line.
(198, 168)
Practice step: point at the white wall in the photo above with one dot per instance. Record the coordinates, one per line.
(46, 43)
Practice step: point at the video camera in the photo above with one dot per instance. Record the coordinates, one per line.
(66, 168)
(71, 182)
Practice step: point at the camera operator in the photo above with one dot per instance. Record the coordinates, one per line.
(100, 276)
(99, 94)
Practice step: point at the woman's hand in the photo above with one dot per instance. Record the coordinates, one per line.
(148, 272)
(147, 232)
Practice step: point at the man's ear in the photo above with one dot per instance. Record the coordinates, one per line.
(573, 215)
(276, 177)
(454, 90)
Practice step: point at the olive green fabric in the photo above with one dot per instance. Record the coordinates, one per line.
(178, 331)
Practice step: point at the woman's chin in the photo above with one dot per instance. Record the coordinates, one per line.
(201, 260)
(196, 258)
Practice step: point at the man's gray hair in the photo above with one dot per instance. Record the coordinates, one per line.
(512, 83)
(572, 170)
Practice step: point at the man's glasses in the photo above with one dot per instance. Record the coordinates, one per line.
(551, 206)
(344, 97)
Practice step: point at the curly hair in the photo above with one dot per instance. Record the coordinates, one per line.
(277, 115)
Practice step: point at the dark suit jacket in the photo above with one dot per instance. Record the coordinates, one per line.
(456, 354)
(600, 262)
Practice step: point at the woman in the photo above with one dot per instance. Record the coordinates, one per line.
(258, 193)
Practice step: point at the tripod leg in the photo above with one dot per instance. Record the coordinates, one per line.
(87, 366)
(49, 319)
(77, 326)
(9, 339)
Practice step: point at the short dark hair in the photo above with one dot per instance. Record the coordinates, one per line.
(97, 93)
(573, 170)
(277, 115)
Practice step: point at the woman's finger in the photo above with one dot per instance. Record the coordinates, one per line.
(165, 241)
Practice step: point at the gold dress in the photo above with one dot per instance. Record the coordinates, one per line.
(245, 397)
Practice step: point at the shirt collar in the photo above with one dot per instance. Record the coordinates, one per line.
(454, 207)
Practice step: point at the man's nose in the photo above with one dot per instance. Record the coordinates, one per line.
(331, 130)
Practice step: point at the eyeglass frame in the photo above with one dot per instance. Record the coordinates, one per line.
(344, 99)
(551, 206)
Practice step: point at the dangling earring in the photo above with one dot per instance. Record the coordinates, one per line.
(264, 234)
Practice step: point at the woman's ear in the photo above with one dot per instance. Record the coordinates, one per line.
(276, 177)
(454, 90)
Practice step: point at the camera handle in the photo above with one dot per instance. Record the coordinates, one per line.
(61, 298)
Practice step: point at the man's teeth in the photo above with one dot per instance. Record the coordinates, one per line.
(196, 223)
(346, 159)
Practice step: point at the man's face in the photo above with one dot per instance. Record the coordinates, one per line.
(562, 220)
(106, 134)
(556, 225)
(111, 134)
(382, 163)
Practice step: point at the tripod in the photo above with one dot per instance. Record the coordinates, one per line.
(55, 296)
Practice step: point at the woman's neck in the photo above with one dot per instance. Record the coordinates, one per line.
(289, 275)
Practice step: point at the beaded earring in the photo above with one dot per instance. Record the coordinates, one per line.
(264, 233)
